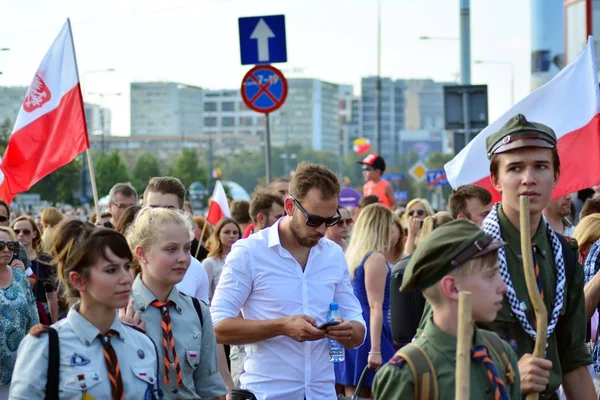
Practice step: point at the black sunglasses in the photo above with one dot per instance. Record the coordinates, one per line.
(3, 218)
(26, 232)
(12, 246)
(367, 168)
(420, 213)
(315, 221)
(347, 222)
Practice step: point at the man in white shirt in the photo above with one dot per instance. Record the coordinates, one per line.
(283, 279)
(169, 192)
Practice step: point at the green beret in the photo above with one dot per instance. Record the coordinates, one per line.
(446, 248)
(517, 133)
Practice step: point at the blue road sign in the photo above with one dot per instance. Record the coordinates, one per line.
(262, 39)
(401, 195)
(264, 89)
(436, 178)
(399, 177)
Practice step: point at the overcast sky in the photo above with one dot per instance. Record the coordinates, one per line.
(196, 42)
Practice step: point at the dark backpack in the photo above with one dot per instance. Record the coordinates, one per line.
(406, 308)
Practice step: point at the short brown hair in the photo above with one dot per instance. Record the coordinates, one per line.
(51, 217)
(240, 211)
(127, 219)
(314, 176)
(262, 202)
(457, 203)
(206, 232)
(167, 185)
(126, 189)
(367, 201)
(591, 206)
(495, 164)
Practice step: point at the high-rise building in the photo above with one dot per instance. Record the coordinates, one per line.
(349, 117)
(166, 108)
(309, 116)
(11, 99)
(98, 119)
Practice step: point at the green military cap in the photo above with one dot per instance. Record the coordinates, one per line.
(445, 249)
(517, 133)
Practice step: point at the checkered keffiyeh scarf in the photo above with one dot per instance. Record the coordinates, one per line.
(592, 266)
(491, 226)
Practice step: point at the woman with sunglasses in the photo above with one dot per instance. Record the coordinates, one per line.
(18, 311)
(416, 211)
(340, 232)
(45, 288)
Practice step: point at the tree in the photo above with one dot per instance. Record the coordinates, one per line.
(110, 169)
(66, 180)
(5, 131)
(187, 168)
(146, 167)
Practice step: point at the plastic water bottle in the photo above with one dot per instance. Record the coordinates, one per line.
(336, 350)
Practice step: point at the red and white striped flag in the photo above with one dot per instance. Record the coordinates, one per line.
(50, 130)
(219, 206)
(570, 105)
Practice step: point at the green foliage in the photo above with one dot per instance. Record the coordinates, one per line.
(187, 168)
(67, 180)
(110, 169)
(146, 167)
(5, 131)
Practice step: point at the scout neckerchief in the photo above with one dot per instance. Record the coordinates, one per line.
(491, 226)
(591, 268)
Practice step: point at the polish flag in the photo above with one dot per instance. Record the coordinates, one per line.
(570, 105)
(219, 207)
(50, 130)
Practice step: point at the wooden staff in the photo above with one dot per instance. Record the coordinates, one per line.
(541, 314)
(93, 181)
(464, 338)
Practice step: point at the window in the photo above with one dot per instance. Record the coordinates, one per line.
(246, 121)
(228, 121)
(210, 121)
(228, 106)
(210, 106)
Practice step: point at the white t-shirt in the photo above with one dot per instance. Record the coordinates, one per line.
(195, 282)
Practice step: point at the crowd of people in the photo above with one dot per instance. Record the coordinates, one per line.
(148, 300)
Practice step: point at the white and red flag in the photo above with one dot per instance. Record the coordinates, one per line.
(570, 105)
(50, 130)
(219, 206)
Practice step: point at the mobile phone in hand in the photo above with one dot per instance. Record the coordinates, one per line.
(327, 324)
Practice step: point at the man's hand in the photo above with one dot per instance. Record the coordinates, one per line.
(342, 332)
(129, 316)
(302, 328)
(535, 374)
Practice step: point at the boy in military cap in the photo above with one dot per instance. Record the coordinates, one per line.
(457, 256)
(524, 161)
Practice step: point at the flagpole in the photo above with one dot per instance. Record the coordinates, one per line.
(87, 139)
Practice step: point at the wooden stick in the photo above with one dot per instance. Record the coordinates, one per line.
(464, 338)
(93, 180)
(201, 237)
(541, 314)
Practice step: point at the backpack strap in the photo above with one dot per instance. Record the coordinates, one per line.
(198, 308)
(499, 348)
(423, 371)
(53, 364)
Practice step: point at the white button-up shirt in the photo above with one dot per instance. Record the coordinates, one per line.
(265, 282)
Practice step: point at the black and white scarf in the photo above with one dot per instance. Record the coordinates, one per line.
(491, 226)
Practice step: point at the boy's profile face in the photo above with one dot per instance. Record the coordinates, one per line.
(487, 291)
(529, 171)
(370, 173)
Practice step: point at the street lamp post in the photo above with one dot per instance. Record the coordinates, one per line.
(103, 116)
(512, 75)
(378, 131)
(4, 49)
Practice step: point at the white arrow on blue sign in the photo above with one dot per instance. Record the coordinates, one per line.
(262, 39)
(436, 178)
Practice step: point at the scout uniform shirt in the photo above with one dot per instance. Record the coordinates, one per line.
(566, 346)
(394, 381)
(83, 372)
(195, 345)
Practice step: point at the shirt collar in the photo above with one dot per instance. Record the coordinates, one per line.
(143, 296)
(446, 342)
(85, 330)
(513, 236)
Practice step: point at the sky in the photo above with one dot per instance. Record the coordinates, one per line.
(196, 42)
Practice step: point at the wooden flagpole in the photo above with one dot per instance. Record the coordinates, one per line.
(464, 338)
(93, 181)
(541, 314)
